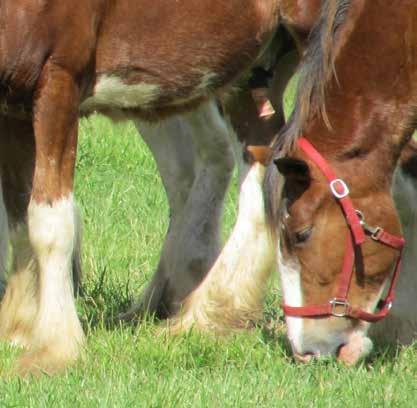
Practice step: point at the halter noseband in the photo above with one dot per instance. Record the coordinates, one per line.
(338, 305)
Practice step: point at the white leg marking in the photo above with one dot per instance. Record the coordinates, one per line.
(233, 292)
(57, 331)
(19, 305)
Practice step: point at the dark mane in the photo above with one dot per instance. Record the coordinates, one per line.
(315, 71)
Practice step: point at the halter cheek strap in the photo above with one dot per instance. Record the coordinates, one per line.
(338, 305)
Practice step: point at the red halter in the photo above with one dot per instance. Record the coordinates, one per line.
(339, 306)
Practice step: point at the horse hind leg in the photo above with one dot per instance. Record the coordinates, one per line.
(232, 294)
(19, 304)
(4, 243)
(196, 239)
(173, 152)
(400, 326)
(195, 162)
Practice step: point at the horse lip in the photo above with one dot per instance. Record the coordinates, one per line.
(356, 348)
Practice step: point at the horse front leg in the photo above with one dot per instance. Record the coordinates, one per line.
(56, 334)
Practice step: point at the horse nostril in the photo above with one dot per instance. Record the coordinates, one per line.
(304, 358)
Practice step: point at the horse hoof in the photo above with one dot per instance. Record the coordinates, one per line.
(41, 362)
(133, 315)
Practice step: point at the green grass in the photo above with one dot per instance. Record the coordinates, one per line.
(125, 218)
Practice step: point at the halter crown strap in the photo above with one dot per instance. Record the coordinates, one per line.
(338, 188)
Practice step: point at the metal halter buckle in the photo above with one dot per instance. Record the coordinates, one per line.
(372, 231)
(333, 187)
(339, 303)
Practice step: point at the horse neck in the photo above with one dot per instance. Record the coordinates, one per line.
(370, 105)
(363, 143)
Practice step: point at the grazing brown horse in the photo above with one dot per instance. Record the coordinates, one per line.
(124, 58)
(232, 297)
(355, 111)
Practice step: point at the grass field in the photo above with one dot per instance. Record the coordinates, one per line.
(125, 218)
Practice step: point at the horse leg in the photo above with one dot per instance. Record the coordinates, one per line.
(173, 152)
(196, 167)
(56, 333)
(232, 294)
(19, 305)
(400, 326)
(4, 243)
(77, 273)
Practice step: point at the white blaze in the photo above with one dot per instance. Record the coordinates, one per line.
(290, 273)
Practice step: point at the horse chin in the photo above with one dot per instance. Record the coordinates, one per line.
(358, 347)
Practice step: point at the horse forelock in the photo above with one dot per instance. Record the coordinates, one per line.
(316, 70)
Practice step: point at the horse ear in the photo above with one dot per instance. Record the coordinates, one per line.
(297, 176)
(293, 168)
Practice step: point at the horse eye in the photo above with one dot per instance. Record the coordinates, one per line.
(303, 235)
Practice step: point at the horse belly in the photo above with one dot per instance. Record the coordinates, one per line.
(163, 57)
(113, 94)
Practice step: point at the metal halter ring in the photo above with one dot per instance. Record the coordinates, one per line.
(336, 183)
(339, 303)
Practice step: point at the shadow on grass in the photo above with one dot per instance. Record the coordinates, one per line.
(272, 326)
(274, 332)
(101, 301)
(384, 353)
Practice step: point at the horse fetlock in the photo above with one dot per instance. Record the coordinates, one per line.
(54, 346)
(18, 308)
